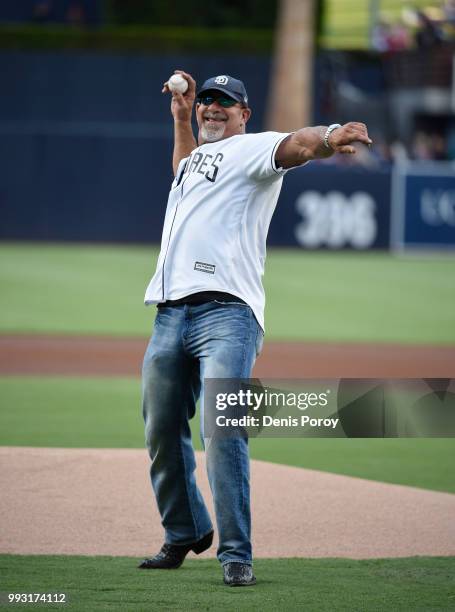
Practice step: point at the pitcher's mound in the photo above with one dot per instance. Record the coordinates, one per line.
(99, 502)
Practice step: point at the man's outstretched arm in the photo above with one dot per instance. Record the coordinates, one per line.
(308, 143)
(181, 109)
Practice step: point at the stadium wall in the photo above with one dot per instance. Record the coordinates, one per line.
(85, 151)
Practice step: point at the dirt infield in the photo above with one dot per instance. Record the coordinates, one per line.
(99, 502)
(104, 356)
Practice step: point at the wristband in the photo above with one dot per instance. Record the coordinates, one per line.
(330, 129)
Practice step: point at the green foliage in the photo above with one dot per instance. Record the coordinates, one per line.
(138, 38)
(170, 26)
(233, 13)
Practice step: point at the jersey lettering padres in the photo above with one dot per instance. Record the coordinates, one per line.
(217, 218)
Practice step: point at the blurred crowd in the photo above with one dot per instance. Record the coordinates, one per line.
(421, 29)
(433, 146)
(425, 146)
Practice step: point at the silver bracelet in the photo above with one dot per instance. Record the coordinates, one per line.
(330, 129)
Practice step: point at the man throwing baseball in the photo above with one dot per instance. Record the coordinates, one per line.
(210, 301)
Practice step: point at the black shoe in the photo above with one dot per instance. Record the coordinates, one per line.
(171, 556)
(238, 574)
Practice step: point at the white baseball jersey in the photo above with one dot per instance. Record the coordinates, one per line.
(217, 218)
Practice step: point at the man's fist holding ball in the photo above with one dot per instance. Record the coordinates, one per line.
(177, 84)
(182, 86)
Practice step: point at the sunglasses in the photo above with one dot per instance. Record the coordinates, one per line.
(223, 101)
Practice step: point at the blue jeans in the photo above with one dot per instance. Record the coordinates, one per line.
(191, 343)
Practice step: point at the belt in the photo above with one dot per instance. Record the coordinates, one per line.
(203, 296)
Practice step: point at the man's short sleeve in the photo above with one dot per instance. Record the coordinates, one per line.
(258, 152)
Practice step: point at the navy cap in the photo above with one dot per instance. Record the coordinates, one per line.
(227, 85)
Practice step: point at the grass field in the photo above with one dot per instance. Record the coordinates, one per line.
(107, 583)
(329, 297)
(310, 296)
(106, 413)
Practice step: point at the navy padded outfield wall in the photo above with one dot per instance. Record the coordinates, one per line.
(86, 141)
(86, 145)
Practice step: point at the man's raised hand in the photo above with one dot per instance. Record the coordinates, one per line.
(182, 104)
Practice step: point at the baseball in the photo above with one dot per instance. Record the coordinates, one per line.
(177, 83)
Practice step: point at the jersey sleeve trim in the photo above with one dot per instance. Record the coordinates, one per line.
(181, 168)
(280, 171)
